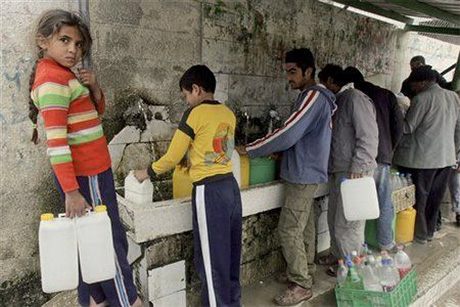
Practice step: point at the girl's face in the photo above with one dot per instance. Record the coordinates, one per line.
(64, 47)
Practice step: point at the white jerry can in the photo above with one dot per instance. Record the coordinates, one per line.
(57, 241)
(95, 246)
(138, 193)
(359, 198)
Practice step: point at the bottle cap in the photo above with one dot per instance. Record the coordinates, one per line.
(46, 217)
(100, 208)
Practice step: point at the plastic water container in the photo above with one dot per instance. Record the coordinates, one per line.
(244, 168)
(405, 225)
(262, 170)
(139, 193)
(359, 198)
(95, 246)
(236, 167)
(57, 241)
(402, 262)
(182, 183)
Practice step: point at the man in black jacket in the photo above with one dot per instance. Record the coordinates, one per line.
(390, 126)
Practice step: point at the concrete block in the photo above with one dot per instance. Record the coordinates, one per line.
(134, 250)
(128, 135)
(158, 130)
(322, 203)
(177, 299)
(116, 153)
(324, 242)
(166, 280)
(322, 222)
(221, 93)
(262, 90)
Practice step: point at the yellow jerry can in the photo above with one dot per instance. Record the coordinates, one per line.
(244, 169)
(405, 225)
(182, 183)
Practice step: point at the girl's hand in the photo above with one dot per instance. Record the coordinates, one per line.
(75, 204)
(88, 78)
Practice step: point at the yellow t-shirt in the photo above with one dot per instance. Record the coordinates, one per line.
(207, 132)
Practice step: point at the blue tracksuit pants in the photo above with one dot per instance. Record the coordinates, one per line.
(217, 226)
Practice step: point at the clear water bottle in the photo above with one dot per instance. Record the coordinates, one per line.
(402, 262)
(388, 278)
(398, 181)
(353, 280)
(403, 180)
(371, 281)
(342, 273)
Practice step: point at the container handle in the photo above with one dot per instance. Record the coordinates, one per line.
(61, 215)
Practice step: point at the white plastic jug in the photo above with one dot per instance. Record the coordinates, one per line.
(139, 193)
(95, 246)
(57, 241)
(236, 167)
(359, 198)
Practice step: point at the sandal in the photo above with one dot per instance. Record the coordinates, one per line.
(327, 260)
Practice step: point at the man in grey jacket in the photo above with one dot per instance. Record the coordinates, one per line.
(353, 152)
(304, 140)
(428, 147)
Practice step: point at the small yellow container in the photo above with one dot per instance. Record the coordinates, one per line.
(244, 166)
(405, 225)
(182, 183)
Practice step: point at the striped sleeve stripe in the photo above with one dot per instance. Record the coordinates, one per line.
(61, 159)
(56, 133)
(53, 108)
(309, 100)
(80, 117)
(58, 151)
(53, 100)
(52, 88)
(77, 89)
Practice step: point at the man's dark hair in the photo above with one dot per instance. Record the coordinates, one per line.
(352, 74)
(303, 58)
(200, 75)
(418, 59)
(423, 73)
(335, 72)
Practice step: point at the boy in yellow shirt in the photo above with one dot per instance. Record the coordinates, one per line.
(207, 131)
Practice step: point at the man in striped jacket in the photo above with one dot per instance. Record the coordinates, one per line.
(304, 141)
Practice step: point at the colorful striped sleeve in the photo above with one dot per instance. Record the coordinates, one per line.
(53, 101)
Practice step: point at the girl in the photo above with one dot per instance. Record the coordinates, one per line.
(77, 148)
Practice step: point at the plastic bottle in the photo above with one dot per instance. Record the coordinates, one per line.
(398, 181)
(364, 252)
(353, 280)
(387, 276)
(403, 180)
(371, 281)
(409, 179)
(57, 239)
(402, 262)
(342, 273)
(95, 246)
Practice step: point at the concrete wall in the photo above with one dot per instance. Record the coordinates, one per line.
(141, 48)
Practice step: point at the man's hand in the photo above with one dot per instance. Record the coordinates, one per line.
(241, 150)
(141, 175)
(75, 204)
(356, 175)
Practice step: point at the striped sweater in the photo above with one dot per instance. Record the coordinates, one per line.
(76, 142)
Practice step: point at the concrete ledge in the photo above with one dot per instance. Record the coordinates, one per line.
(147, 222)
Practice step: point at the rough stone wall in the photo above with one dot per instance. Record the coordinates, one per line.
(142, 47)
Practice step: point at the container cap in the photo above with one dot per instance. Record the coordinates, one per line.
(46, 217)
(100, 208)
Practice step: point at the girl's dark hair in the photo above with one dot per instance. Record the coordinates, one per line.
(200, 75)
(49, 24)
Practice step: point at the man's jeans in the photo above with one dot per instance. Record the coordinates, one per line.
(454, 187)
(385, 233)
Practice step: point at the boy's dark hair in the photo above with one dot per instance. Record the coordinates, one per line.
(418, 59)
(200, 75)
(423, 73)
(352, 74)
(335, 72)
(303, 58)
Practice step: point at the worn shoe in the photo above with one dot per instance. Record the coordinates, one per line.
(421, 241)
(293, 295)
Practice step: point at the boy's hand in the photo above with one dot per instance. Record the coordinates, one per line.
(141, 175)
(75, 204)
(241, 150)
(88, 78)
